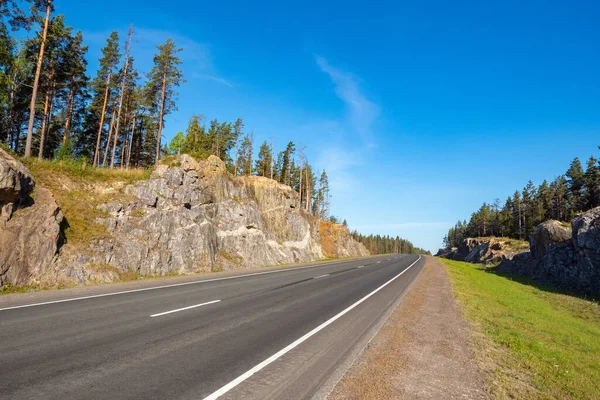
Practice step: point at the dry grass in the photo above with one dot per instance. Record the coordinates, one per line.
(79, 189)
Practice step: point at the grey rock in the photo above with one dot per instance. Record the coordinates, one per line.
(30, 241)
(195, 217)
(546, 235)
(16, 183)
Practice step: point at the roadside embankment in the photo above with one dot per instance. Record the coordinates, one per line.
(421, 352)
(532, 342)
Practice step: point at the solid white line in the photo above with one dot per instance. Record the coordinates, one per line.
(321, 276)
(293, 345)
(184, 308)
(166, 286)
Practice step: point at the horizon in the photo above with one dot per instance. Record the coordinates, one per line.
(405, 113)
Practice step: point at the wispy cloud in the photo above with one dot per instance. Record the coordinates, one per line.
(353, 136)
(217, 79)
(362, 112)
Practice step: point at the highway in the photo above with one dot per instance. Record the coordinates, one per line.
(285, 333)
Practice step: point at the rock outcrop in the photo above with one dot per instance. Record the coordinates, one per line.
(487, 250)
(337, 242)
(16, 183)
(30, 227)
(567, 258)
(193, 216)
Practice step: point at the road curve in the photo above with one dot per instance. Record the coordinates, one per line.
(273, 334)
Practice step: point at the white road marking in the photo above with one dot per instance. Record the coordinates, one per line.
(299, 341)
(184, 308)
(360, 266)
(378, 262)
(165, 286)
(321, 276)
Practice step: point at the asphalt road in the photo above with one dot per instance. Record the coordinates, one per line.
(280, 334)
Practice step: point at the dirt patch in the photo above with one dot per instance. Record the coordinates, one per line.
(421, 352)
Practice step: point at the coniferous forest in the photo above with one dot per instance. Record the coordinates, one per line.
(576, 191)
(54, 108)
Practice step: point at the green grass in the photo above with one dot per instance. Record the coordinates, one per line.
(542, 344)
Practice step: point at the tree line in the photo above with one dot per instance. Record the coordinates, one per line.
(576, 191)
(228, 141)
(377, 244)
(50, 107)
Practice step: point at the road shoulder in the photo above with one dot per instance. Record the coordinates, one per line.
(422, 352)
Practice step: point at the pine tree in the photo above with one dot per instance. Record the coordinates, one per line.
(286, 171)
(47, 5)
(165, 75)
(102, 85)
(244, 157)
(575, 182)
(591, 184)
(123, 78)
(76, 85)
(264, 162)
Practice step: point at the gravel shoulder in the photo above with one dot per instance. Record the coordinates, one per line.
(423, 351)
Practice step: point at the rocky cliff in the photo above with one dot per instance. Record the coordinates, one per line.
(559, 254)
(485, 250)
(568, 257)
(190, 216)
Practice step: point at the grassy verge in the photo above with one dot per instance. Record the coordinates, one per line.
(536, 343)
(78, 189)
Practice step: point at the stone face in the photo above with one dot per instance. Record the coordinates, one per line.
(567, 258)
(30, 241)
(194, 216)
(489, 250)
(16, 183)
(546, 235)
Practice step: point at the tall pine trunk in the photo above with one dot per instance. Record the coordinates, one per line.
(98, 139)
(110, 133)
(36, 81)
(123, 80)
(130, 142)
(43, 132)
(160, 117)
(69, 115)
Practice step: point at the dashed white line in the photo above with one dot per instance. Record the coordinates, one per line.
(184, 308)
(94, 296)
(321, 276)
(360, 266)
(378, 262)
(299, 341)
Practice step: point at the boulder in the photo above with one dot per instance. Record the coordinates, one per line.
(546, 235)
(16, 183)
(586, 243)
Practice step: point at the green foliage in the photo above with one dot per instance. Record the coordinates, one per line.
(177, 143)
(578, 190)
(532, 334)
(378, 244)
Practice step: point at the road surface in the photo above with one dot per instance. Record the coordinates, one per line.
(273, 334)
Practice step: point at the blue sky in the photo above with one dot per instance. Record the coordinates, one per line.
(419, 111)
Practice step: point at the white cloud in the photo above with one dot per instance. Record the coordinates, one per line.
(353, 137)
(362, 112)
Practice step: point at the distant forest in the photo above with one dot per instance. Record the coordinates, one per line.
(51, 108)
(377, 244)
(576, 191)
